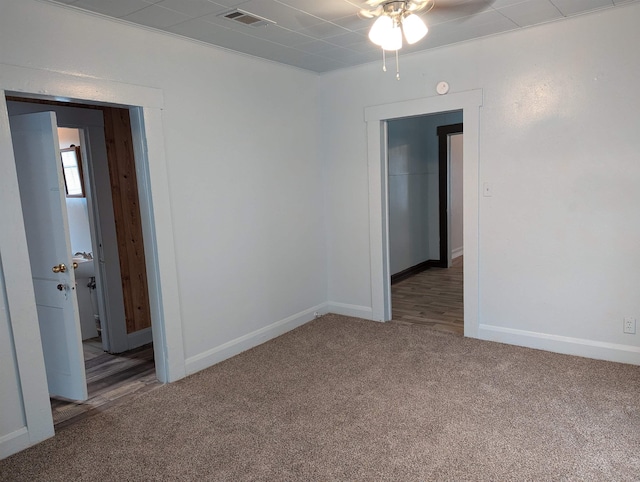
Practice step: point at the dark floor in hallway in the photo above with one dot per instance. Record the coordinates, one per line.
(111, 380)
(433, 297)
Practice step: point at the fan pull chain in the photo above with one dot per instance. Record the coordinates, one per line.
(384, 61)
(397, 67)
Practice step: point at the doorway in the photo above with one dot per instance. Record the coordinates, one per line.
(31, 412)
(425, 220)
(418, 192)
(376, 117)
(113, 216)
(102, 222)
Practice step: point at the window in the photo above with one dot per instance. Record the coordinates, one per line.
(72, 170)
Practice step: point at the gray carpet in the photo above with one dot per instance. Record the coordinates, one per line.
(346, 399)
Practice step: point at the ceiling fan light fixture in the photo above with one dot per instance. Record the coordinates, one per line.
(414, 28)
(380, 30)
(395, 21)
(393, 38)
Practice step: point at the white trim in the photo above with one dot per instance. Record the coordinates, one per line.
(68, 87)
(14, 442)
(378, 165)
(350, 310)
(376, 116)
(139, 338)
(456, 253)
(20, 297)
(231, 348)
(562, 344)
(157, 232)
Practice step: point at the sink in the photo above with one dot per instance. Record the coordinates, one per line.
(85, 268)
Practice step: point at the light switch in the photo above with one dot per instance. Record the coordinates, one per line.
(487, 189)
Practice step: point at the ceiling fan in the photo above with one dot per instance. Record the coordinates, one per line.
(398, 19)
(377, 7)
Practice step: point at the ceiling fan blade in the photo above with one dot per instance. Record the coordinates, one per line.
(423, 6)
(419, 6)
(364, 13)
(460, 8)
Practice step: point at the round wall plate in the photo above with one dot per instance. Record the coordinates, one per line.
(442, 88)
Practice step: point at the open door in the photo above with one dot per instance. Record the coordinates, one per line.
(39, 169)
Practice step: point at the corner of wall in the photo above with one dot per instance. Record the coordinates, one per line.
(234, 347)
(357, 311)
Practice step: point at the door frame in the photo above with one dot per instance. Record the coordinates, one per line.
(444, 190)
(376, 118)
(90, 122)
(145, 107)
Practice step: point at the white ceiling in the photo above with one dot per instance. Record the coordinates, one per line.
(324, 35)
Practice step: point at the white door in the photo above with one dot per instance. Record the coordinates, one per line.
(42, 193)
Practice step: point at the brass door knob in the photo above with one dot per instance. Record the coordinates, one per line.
(75, 265)
(61, 268)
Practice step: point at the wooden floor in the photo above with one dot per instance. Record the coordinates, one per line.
(432, 297)
(111, 380)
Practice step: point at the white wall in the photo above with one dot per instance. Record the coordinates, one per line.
(245, 181)
(240, 141)
(76, 207)
(409, 173)
(414, 229)
(79, 225)
(558, 239)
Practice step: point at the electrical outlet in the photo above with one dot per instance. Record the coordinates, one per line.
(629, 325)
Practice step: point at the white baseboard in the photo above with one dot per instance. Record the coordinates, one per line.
(456, 253)
(139, 338)
(350, 310)
(562, 344)
(14, 442)
(231, 348)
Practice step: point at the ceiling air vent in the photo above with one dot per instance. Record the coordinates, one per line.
(246, 18)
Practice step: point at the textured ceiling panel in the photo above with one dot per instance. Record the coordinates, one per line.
(324, 35)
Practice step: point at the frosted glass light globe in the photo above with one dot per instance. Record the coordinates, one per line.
(380, 29)
(414, 28)
(393, 40)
